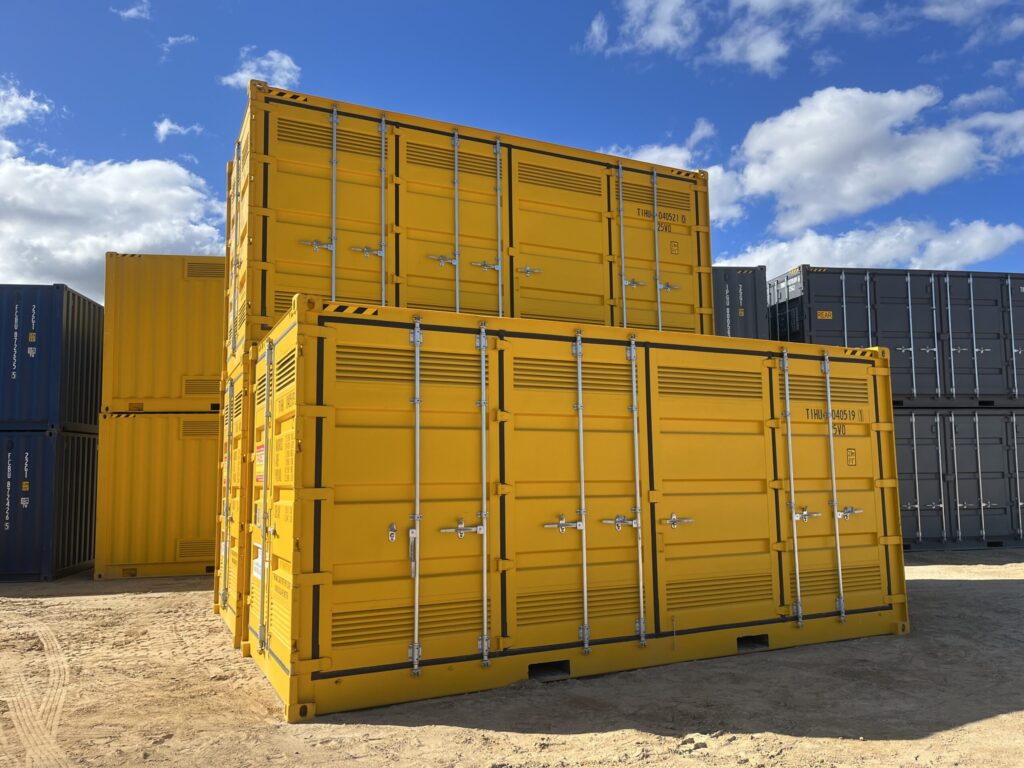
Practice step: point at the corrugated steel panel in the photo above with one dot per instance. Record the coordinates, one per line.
(163, 337)
(231, 580)
(459, 503)
(955, 336)
(52, 353)
(579, 236)
(48, 486)
(741, 302)
(960, 477)
(155, 511)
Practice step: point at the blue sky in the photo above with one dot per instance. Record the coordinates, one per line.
(835, 132)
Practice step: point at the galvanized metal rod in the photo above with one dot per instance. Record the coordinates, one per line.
(942, 480)
(867, 291)
(635, 411)
(268, 454)
(974, 338)
(935, 335)
(226, 506)
(383, 210)
(578, 352)
(952, 360)
(334, 203)
(798, 608)
(416, 649)
(657, 250)
(485, 639)
(956, 476)
(917, 478)
(499, 261)
(457, 265)
(234, 251)
(910, 326)
(1016, 476)
(834, 503)
(1014, 351)
(842, 283)
(622, 251)
(981, 480)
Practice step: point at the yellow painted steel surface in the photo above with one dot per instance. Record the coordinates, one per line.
(598, 501)
(231, 580)
(163, 335)
(157, 489)
(424, 212)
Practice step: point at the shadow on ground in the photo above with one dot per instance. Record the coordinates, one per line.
(82, 583)
(963, 662)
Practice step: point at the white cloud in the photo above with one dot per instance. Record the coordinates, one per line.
(188, 157)
(173, 41)
(822, 61)
(958, 11)
(167, 127)
(1008, 68)
(597, 35)
(138, 11)
(990, 95)
(1005, 131)
(841, 152)
(17, 107)
(60, 219)
(275, 67)
(759, 46)
(900, 244)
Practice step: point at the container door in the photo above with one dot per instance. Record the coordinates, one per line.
(974, 355)
(813, 560)
(370, 464)
(907, 313)
(667, 238)
(26, 483)
(551, 544)
(561, 252)
(714, 518)
(919, 449)
(1013, 348)
(296, 193)
(984, 463)
(840, 308)
(449, 231)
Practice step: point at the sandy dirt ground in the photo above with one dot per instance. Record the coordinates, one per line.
(142, 673)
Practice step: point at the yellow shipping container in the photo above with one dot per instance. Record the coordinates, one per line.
(163, 333)
(363, 205)
(231, 582)
(156, 495)
(446, 503)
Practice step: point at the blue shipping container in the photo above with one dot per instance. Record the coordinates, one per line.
(51, 359)
(47, 503)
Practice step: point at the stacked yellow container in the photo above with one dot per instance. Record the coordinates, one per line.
(159, 426)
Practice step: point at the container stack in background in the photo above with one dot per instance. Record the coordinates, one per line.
(955, 339)
(159, 428)
(741, 302)
(52, 341)
(440, 473)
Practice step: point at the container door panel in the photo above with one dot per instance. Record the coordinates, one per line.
(428, 224)
(370, 452)
(974, 353)
(856, 468)
(907, 326)
(560, 238)
(714, 520)
(542, 454)
(680, 253)
(298, 199)
(838, 309)
(984, 468)
(922, 476)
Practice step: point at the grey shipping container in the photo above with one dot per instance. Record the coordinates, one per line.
(956, 337)
(47, 503)
(52, 357)
(959, 474)
(741, 301)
